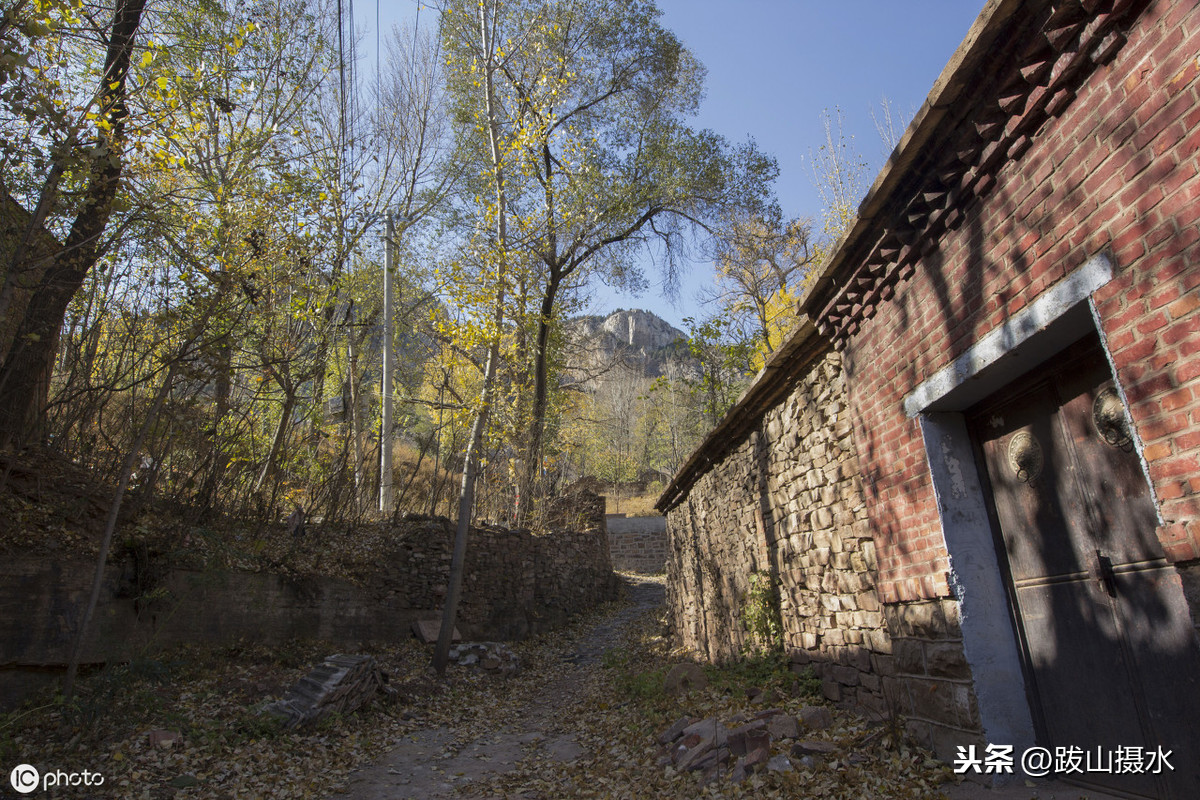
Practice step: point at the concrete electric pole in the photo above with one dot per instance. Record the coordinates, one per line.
(385, 433)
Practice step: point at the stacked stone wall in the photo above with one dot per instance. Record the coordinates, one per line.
(927, 680)
(787, 503)
(516, 584)
(638, 544)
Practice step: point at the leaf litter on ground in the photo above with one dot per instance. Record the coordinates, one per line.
(187, 724)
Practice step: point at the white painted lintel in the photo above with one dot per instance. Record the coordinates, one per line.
(1049, 306)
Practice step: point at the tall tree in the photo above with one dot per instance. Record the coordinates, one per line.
(486, 63)
(608, 165)
(762, 265)
(96, 154)
(838, 172)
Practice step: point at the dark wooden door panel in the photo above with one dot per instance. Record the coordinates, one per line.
(1106, 631)
(1082, 673)
(1120, 512)
(1027, 458)
(1157, 625)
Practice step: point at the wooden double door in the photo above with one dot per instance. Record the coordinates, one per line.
(1109, 646)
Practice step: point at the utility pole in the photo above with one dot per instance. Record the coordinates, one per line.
(385, 433)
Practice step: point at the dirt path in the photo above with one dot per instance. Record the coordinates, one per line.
(539, 723)
(436, 762)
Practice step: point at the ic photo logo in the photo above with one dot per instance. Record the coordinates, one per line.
(24, 778)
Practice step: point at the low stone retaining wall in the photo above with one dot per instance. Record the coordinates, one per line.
(516, 584)
(638, 544)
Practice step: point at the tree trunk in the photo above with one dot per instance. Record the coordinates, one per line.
(25, 375)
(217, 460)
(285, 422)
(541, 394)
(466, 498)
(356, 422)
(26, 250)
(110, 526)
(466, 501)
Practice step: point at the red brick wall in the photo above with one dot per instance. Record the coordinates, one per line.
(1117, 169)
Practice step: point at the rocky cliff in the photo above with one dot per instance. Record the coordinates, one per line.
(640, 339)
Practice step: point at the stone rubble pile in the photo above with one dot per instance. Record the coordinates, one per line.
(338, 685)
(749, 742)
(490, 656)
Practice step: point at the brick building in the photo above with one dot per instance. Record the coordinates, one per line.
(972, 473)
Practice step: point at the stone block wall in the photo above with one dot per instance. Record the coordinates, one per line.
(786, 502)
(638, 544)
(789, 502)
(926, 679)
(516, 584)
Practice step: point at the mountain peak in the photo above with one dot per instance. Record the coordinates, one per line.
(638, 337)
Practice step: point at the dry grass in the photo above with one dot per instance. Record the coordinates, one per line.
(640, 505)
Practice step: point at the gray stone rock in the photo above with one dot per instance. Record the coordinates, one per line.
(700, 741)
(713, 758)
(749, 737)
(491, 656)
(675, 731)
(757, 756)
(684, 677)
(693, 755)
(709, 728)
(783, 726)
(163, 738)
(813, 747)
(815, 718)
(779, 763)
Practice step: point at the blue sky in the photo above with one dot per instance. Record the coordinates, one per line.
(773, 67)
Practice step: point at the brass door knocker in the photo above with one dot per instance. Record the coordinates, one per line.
(1025, 456)
(1108, 412)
